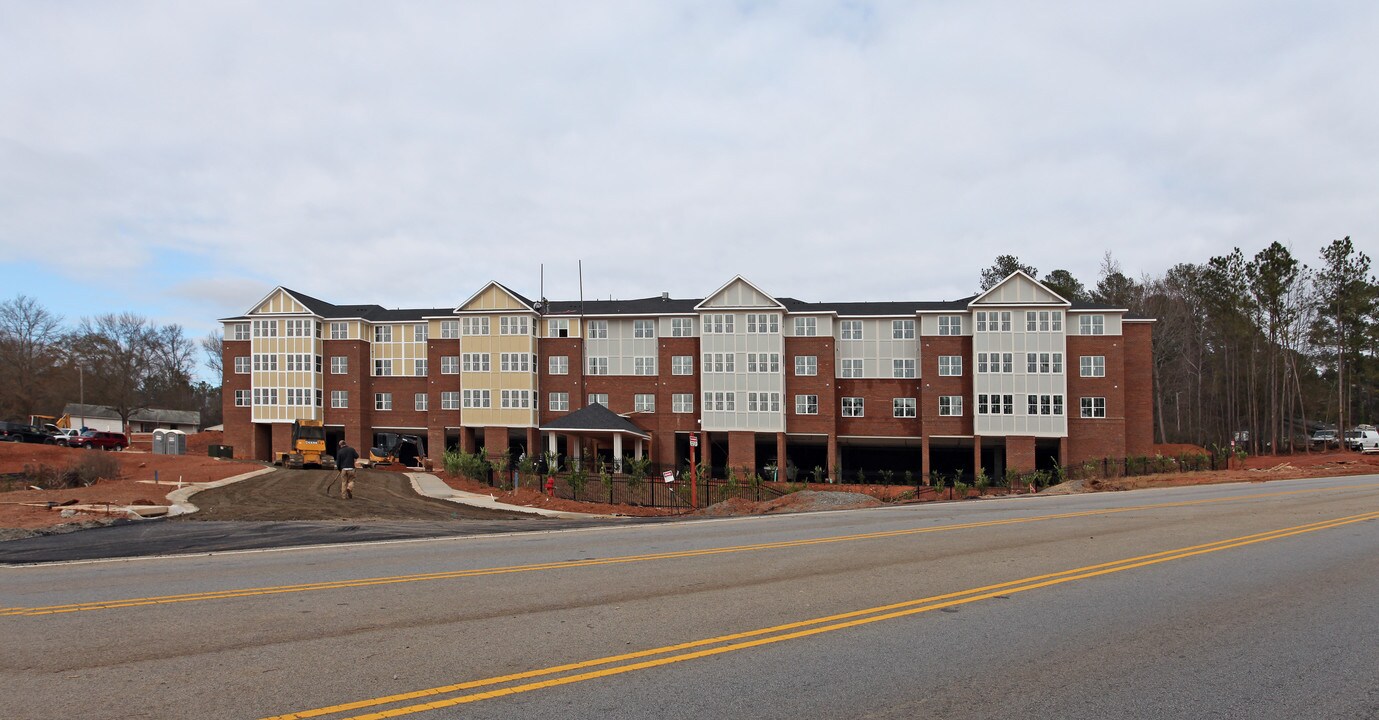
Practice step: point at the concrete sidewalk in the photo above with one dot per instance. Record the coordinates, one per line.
(431, 486)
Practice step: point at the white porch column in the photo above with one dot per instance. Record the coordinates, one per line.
(617, 452)
(637, 451)
(551, 443)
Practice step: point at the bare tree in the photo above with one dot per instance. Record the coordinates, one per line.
(30, 338)
(119, 352)
(214, 346)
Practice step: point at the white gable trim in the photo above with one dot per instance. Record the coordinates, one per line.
(253, 308)
(482, 290)
(1021, 273)
(703, 304)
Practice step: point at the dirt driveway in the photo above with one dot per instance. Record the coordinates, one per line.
(315, 495)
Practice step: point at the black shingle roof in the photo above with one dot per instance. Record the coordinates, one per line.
(648, 306)
(595, 418)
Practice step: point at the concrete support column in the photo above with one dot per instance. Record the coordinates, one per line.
(1063, 452)
(467, 443)
(573, 449)
(435, 443)
(495, 441)
(533, 441)
(742, 453)
(617, 452)
(282, 438)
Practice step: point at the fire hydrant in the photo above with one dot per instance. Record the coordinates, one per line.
(550, 486)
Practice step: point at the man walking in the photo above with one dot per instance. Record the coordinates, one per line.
(344, 461)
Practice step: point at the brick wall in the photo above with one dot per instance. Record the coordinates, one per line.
(239, 421)
(1093, 438)
(879, 418)
(1139, 389)
(933, 386)
(826, 422)
(357, 418)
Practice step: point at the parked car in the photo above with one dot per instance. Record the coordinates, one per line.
(100, 439)
(1325, 439)
(1363, 440)
(65, 436)
(20, 432)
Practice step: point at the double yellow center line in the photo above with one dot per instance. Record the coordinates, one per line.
(571, 564)
(567, 674)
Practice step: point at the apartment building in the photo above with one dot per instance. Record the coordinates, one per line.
(1014, 379)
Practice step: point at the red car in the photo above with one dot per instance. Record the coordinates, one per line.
(100, 439)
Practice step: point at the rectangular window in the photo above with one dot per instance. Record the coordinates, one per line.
(476, 398)
(339, 331)
(1007, 362)
(1091, 324)
(643, 366)
(265, 362)
(1045, 405)
(514, 325)
(682, 365)
(559, 401)
(806, 326)
(950, 324)
(265, 396)
(806, 365)
(643, 328)
(421, 366)
(598, 329)
(450, 329)
(297, 328)
(558, 365)
(904, 407)
(643, 402)
(983, 366)
(995, 404)
(382, 368)
(515, 399)
(851, 368)
(806, 404)
(474, 326)
(241, 331)
(950, 365)
(598, 366)
(902, 329)
(243, 398)
(420, 402)
(719, 362)
(265, 328)
(383, 333)
(851, 329)
(720, 401)
(1094, 407)
(681, 327)
(1092, 365)
(950, 405)
(902, 368)
(854, 407)
(763, 323)
(1044, 321)
(475, 362)
(421, 332)
(514, 362)
(682, 403)
(718, 324)
(450, 364)
(242, 364)
(383, 401)
(599, 398)
(558, 329)
(763, 402)
(450, 400)
(763, 362)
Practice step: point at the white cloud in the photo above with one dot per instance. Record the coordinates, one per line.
(404, 154)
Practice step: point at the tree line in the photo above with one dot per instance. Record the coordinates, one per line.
(1260, 349)
(120, 360)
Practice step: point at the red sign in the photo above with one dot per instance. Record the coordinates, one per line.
(694, 440)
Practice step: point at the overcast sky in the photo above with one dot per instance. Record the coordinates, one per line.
(181, 159)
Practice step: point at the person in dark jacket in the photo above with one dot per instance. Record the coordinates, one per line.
(345, 458)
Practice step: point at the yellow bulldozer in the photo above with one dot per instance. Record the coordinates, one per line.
(308, 447)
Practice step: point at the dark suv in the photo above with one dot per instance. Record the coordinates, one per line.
(100, 439)
(19, 432)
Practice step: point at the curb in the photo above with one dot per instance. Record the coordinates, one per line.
(428, 485)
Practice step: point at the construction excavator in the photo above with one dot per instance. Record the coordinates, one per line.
(395, 448)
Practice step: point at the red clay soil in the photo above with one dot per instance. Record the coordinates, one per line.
(126, 490)
(1259, 468)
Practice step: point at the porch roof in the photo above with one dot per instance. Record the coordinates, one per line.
(596, 418)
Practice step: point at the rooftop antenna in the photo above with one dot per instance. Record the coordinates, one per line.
(583, 358)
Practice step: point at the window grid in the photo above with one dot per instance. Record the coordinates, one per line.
(902, 368)
(854, 407)
(806, 365)
(382, 401)
(904, 408)
(950, 405)
(1094, 407)
(682, 365)
(558, 365)
(1092, 365)
(806, 327)
(806, 404)
(902, 329)
(950, 365)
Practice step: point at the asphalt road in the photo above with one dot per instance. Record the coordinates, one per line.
(1242, 601)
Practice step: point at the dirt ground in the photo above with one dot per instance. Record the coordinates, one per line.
(315, 495)
(16, 510)
(1259, 468)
